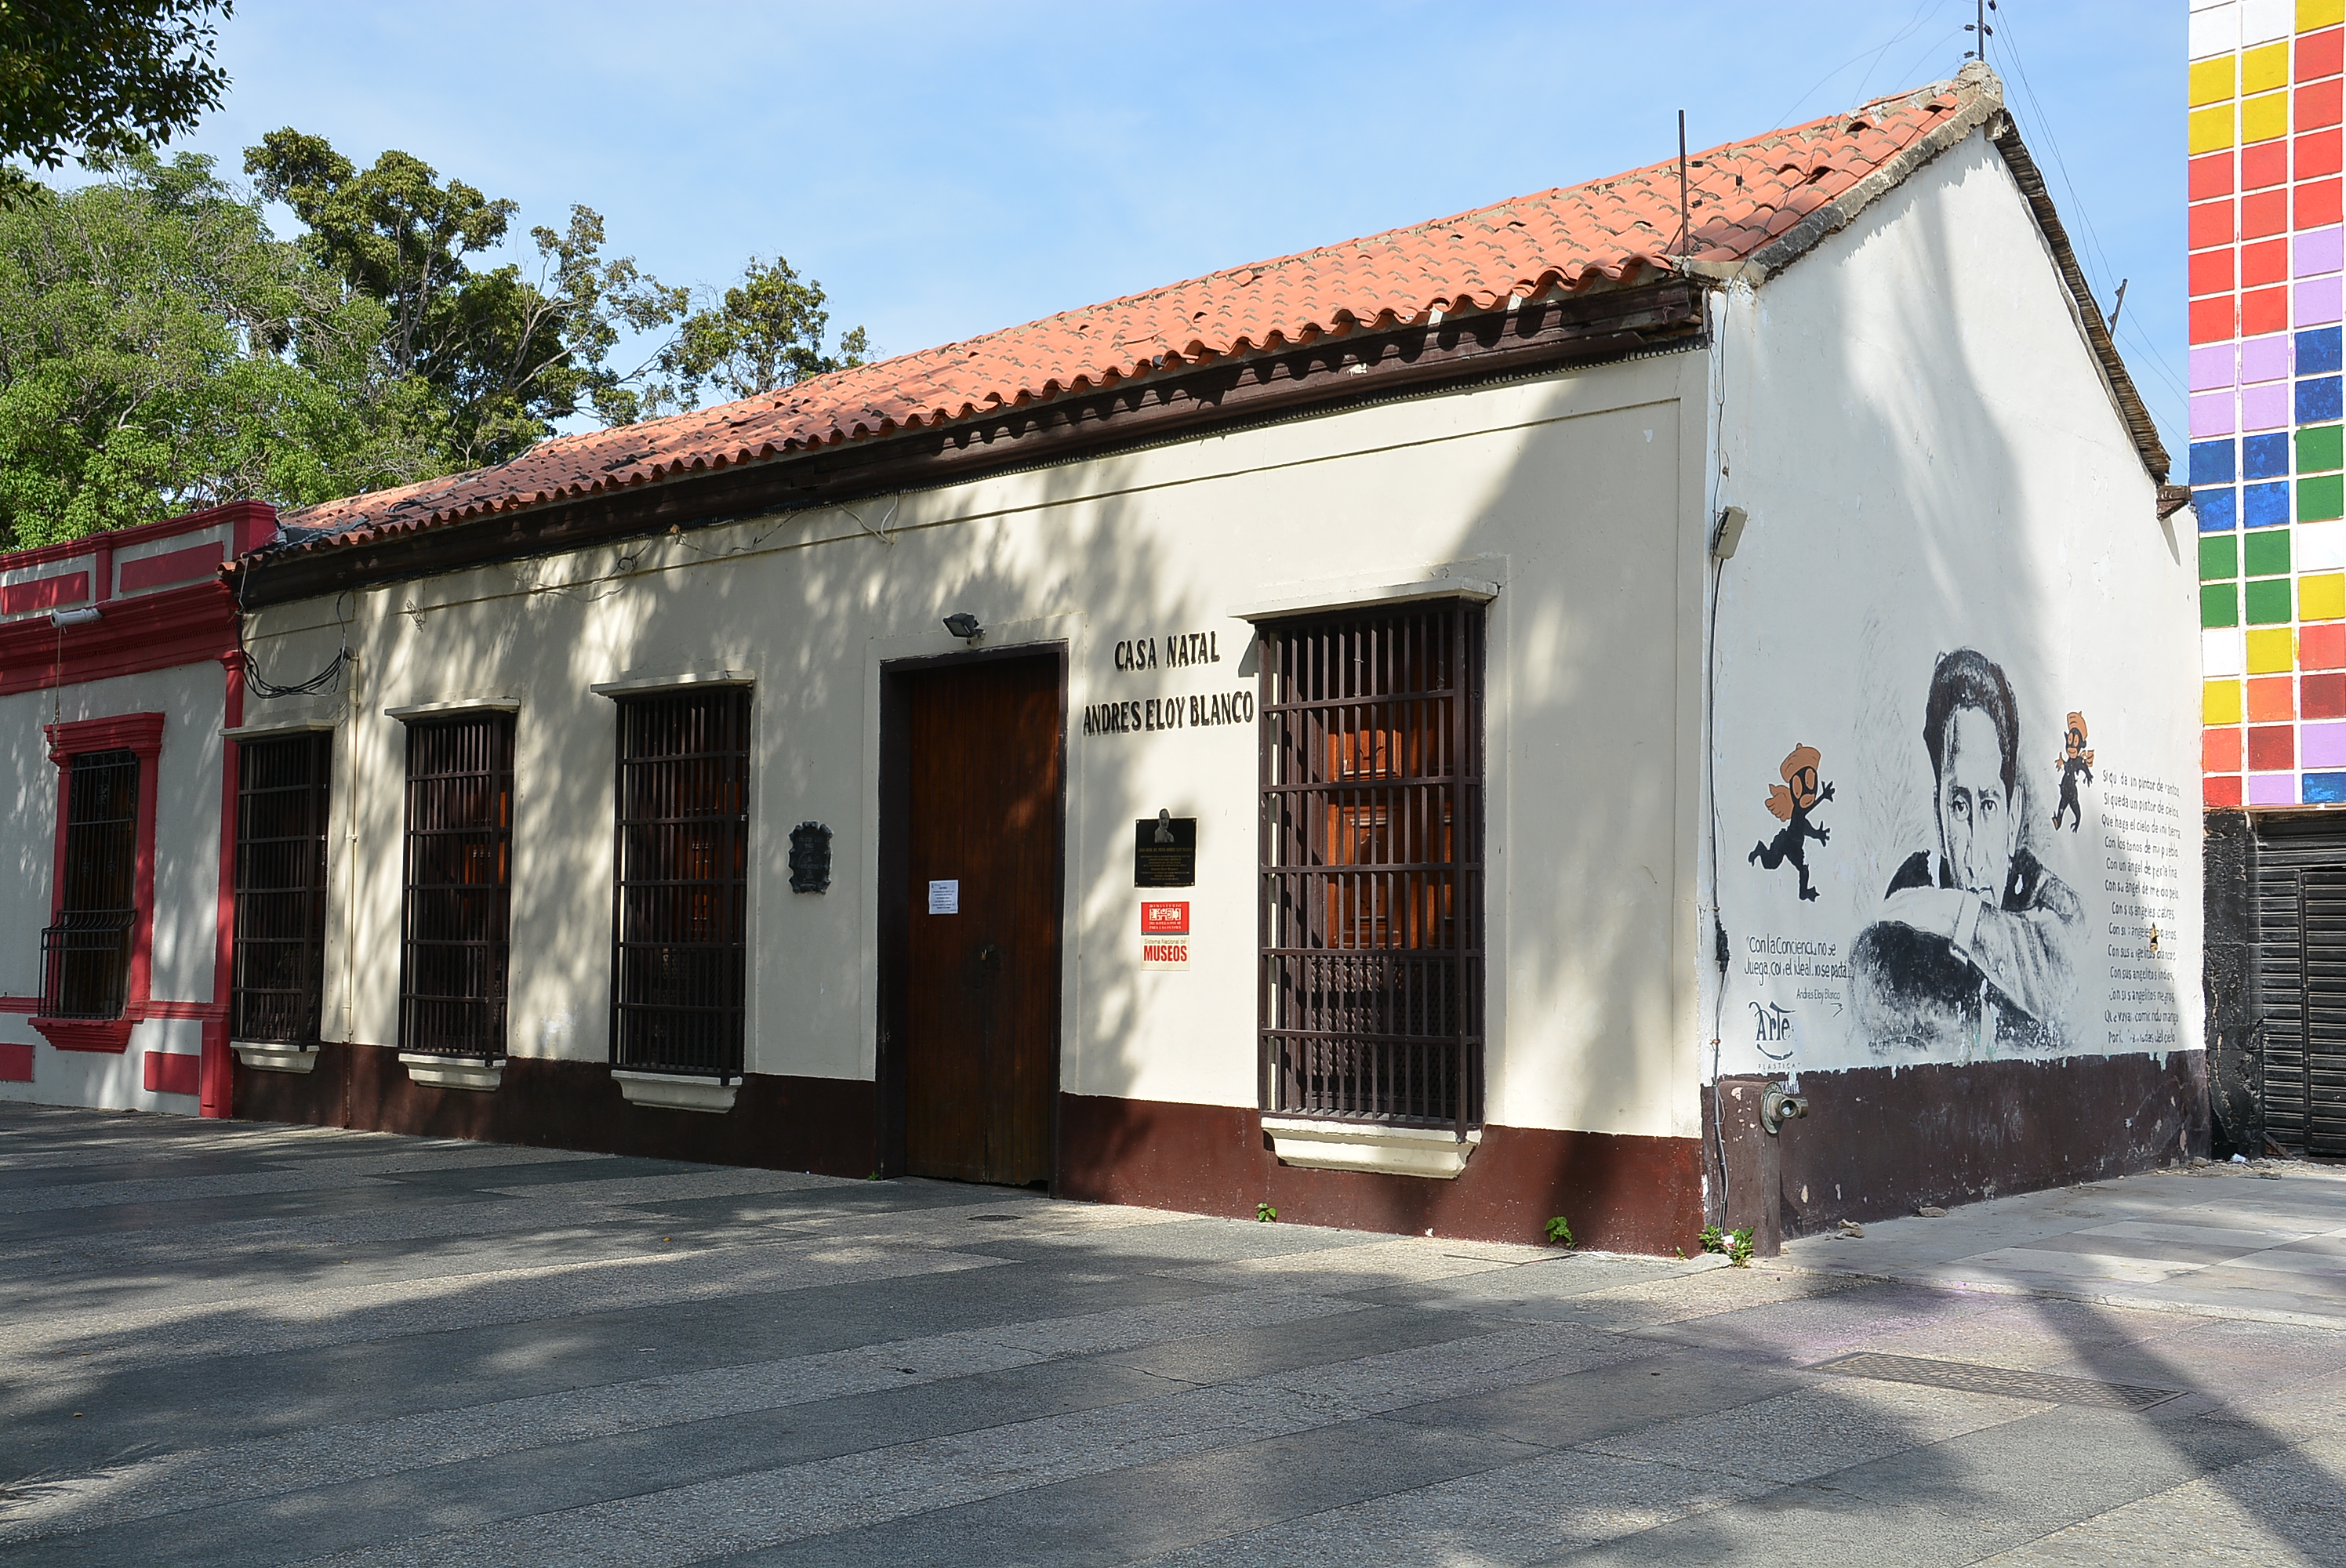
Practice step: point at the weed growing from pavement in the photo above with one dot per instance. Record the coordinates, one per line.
(1735, 1246)
(1559, 1231)
(1265, 1213)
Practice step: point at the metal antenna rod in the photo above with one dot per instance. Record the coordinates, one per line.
(1686, 228)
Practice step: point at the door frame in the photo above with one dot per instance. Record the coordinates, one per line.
(894, 932)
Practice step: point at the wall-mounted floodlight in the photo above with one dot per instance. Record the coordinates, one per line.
(964, 624)
(81, 618)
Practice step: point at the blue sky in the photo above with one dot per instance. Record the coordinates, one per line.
(947, 169)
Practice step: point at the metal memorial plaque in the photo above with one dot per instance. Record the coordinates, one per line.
(1165, 852)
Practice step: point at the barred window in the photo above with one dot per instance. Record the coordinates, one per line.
(1372, 862)
(281, 888)
(681, 920)
(85, 955)
(457, 925)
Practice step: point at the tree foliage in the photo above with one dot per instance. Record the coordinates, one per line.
(97, 76)
(160, 350)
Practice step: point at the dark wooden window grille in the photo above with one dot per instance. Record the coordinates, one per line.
(681, 952)
(1372, 854)
(455, 938)
(280, 889)
(86, 955)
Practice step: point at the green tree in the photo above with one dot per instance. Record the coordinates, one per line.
(498, 357)
(764, 333)
(160, 351)
(97, 75)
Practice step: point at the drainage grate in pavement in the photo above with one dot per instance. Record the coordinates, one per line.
(2003, 1380)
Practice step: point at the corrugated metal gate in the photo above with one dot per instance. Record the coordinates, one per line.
(2300, 894)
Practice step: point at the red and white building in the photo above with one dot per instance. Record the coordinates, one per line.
(119, 678)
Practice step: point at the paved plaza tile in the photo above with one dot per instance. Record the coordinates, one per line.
(239, 1343)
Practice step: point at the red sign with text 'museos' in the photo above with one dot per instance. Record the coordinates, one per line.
(1165, 934)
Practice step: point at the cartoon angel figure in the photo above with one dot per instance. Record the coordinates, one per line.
(1791, 802)
(2074, 762)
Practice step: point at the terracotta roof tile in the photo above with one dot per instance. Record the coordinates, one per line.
(1746, 195)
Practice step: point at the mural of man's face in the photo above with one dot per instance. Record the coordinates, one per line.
(1977, 826)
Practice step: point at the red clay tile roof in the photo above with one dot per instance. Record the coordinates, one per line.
(1750, 200)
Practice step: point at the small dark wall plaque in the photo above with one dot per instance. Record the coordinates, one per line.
(810, 858)
(1165, 852)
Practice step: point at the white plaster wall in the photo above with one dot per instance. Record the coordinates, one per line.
(186, 875)
(1930, 461)
(1579, 492)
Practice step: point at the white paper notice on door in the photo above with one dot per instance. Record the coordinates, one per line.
(944, 898)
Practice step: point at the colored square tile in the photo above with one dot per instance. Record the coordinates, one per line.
(2262, 119)
(2209, 177)
(2220, 655)
(2267, 310)
(2312, 14)
(2210, 272)
(2220, 557)
(2265, 506)
(2320, 497)
(2265, 554)
(2212, 415)
(2322, 697)
(2318, 56)
(2209, 223)
(2266, 165)
(2325, 789)
(2220, 703)
(2318, 647)
(2265, 358)
(2264, 67)
(2316, 105)
(2316, 153)
(2219, 752)
(2268, 602)
(2212, 320)
(2272, 745)
(2262, 407)
(2271, 652)
(2272, 789)
(2321, 596)
(2221, 794)
(2321, 547)
(2272, 700)
(2212, 368)
(2323, 746)
(2214, 30)
(2219, 604)
(2317, 203)
(2263, 263)
(2218, 509)
(2212, 462)
(2211, 128)
(2318, 349)
(2265, 457)
(2320, 399)
(2320, 448)
(2263, 212)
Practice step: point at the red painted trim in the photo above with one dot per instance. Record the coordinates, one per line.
(189, 625)
(209, 1012)
(16, 1063)
(219, 1062)
(44, 593)
(251, 521)
(142, 733)
(103, 564)
(85, 1033)
(173, 567)
(170, 1072)
(28, 1005)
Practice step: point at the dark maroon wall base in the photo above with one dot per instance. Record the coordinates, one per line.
(1623, 1194)
(1880, 1141)
(825, 1124)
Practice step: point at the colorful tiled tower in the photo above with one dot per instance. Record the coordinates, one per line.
(2268, 461)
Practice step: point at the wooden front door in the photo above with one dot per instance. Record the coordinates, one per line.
(980, 825)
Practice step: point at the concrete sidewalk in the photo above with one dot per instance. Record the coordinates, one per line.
(2264, 1243)
(234, 1343)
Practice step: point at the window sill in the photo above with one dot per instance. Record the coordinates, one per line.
(453, 1072)
(271, 1056)
(668, 1092)
(85, 1033)
(1431, 1152)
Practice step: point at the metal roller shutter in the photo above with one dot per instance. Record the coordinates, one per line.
(2301, 982)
